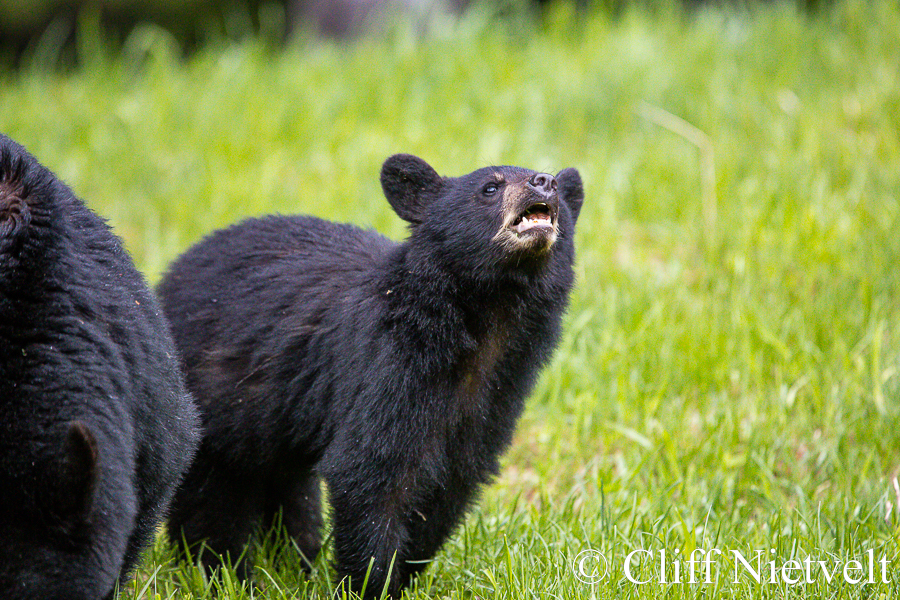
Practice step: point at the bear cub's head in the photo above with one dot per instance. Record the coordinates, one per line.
(492, 215)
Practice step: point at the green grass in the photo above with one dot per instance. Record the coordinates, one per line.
(729, 373)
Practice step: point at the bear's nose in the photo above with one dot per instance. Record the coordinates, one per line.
(543, 183)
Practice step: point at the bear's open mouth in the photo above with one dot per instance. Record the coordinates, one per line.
(537, 216)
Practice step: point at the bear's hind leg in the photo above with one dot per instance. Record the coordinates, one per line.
(295, 502)
(215, 516)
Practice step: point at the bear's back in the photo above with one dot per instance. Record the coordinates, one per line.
(259, 241)
(276, 260)
(80, 326)
(294, 267)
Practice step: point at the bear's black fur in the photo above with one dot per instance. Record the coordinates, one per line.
(96, 425)
(394, 371)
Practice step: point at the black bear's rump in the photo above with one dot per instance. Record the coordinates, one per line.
(97, 425)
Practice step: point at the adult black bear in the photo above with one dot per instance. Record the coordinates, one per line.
(96, 425)
(394, 371)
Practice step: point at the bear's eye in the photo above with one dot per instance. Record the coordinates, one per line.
(490, 189)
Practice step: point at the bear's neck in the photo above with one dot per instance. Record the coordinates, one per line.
(462, 333)
(464, 317)
(430, 281)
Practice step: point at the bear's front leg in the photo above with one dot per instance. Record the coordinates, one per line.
(377, 484)
(369, 528)
(398, 526)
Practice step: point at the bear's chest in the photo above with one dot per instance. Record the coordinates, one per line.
(477, 370)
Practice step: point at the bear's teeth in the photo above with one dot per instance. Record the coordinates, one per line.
(527, 223)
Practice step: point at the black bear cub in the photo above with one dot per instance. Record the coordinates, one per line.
(96, 425)
(393, 371)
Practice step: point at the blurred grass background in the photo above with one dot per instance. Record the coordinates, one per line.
(729, 373)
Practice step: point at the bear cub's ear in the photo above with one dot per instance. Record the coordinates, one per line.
(571, 191)
(410, 185)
